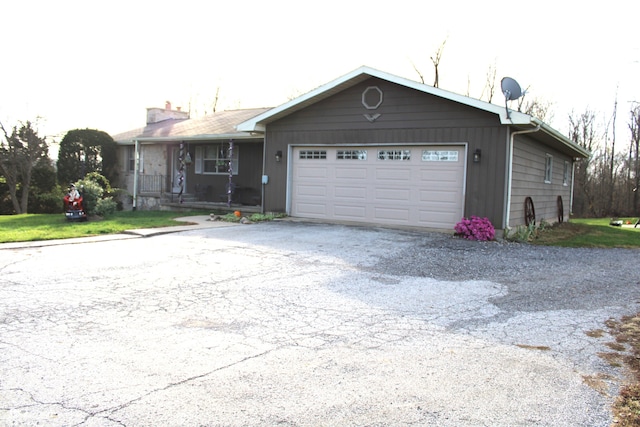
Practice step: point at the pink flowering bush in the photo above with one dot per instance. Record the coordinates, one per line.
(475, 228)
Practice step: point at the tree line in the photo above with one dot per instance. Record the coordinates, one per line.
(606, 184)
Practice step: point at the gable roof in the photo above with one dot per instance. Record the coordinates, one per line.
(219, 125)
(516, 119)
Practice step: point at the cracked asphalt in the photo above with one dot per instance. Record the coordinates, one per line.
(305, 324)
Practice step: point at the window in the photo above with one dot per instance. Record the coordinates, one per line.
(313, 154)
(214, 159)
(394, 154)
(130, 165)
(565, 174)
(439, 156)
(351, 155)
(548, 169)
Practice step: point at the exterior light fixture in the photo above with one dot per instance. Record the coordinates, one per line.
(278, 156)
(187, 159)
(476, 155)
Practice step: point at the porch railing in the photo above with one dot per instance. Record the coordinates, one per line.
(151, 183)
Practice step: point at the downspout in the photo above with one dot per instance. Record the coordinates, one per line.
(510, 171)
(264, 165)
(136, 167)
(573, 175)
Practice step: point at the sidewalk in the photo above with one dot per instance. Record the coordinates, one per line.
(191, 223)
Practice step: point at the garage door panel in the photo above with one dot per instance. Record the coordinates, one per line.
(393, 194)
(384, 174)
(434, 196)
(314, 210)
(349, 212)
(312, 190)
(356, 193)
(354, 173)
(312, 172)
(400, 192)
(391, 214)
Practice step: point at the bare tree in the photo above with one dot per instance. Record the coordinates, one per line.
(582, 132)
(19, 153)
(608, 181)
(490, 84)
(436, 63)
(419, 73)
(634, 158)
(536, 107)
(215, 100)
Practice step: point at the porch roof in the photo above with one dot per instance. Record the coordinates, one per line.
(219, 125)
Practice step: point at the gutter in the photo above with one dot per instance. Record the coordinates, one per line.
(212, 137)
(557, 135)
(510, 171)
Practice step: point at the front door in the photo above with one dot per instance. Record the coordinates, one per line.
(176, 183)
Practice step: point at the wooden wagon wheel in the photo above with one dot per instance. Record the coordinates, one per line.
(560, 210)
(529, 212)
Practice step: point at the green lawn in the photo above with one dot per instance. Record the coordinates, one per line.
(32, 227)
(591, 233)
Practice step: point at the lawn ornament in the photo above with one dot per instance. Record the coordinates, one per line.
(73, 208)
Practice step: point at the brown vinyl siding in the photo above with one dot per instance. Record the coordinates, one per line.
(406, 117)
(528, 181)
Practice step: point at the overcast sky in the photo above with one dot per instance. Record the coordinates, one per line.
(85, 64)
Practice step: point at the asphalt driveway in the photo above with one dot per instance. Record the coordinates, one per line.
(301, 324)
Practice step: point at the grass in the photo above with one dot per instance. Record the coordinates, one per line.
(590, 233)
(32, 227)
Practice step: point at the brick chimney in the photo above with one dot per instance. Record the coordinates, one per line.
(155, 115)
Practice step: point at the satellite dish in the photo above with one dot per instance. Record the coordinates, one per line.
(511, 90)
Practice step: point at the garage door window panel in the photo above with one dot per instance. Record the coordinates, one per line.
(313, 154)
(439, 156)
(394, 154)
(351, 155)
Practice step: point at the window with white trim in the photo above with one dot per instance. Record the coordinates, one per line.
(548, 168)
(565, 174)
(214, 159)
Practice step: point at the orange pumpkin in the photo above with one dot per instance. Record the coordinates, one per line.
(237, 214)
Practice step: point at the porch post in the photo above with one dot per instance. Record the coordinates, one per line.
(136, 169)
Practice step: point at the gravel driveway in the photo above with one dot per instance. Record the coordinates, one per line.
(303, 324)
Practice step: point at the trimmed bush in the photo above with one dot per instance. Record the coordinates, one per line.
(106, 206)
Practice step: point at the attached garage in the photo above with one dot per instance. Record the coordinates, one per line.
(417, 185)
(375, 148)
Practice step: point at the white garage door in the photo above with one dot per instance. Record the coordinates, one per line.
(417, 185)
